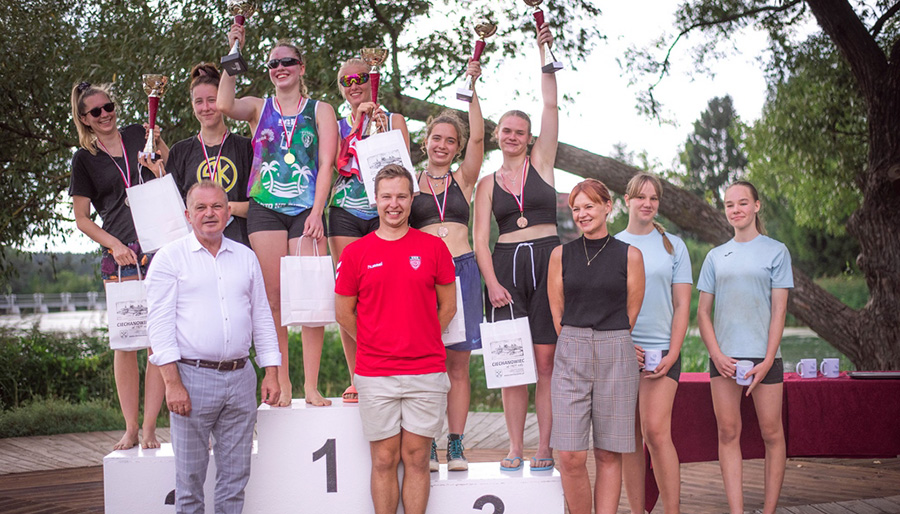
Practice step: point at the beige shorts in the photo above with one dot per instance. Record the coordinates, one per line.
(415, 403)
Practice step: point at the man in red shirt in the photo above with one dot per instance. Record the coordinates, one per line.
(395, 293)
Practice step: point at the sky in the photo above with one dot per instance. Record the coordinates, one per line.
(603, 112)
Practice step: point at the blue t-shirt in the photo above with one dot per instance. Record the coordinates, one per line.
(653, 328)
(742, 276)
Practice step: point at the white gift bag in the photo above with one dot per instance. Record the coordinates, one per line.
(307, 289)
(456, 330)
(126, 314)
(158, 212)
(508, 352)
(376, 152)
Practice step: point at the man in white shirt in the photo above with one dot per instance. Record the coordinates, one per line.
(207, 304)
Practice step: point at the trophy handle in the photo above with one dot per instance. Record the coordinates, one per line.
(153, 106)
(479, 47)
(375, 80)
(554, 65)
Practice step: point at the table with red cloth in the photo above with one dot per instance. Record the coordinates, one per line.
(823, 417)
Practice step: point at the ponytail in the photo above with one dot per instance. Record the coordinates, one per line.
(667, 244)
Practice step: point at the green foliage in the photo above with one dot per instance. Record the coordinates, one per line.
(36, 364)
(56, 416)
(851, 290)
(811, 142)
(51, 272)
(713, 154)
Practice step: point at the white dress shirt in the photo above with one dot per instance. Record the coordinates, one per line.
(206, 307)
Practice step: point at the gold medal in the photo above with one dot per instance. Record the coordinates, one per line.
(443, 231)
(289, 158)
(522, 222)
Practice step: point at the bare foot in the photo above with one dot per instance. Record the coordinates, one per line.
(315, 398)
(284, 400)
(149, 440)
(128, 441)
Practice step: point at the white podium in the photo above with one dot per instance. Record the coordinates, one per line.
(315, 459)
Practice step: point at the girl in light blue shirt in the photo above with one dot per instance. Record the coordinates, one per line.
(747, 279)
(661, 325)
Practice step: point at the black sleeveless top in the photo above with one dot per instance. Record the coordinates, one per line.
(596, 296)
(425, 212)
(540, 203)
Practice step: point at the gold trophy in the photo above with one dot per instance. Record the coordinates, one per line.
(234, 63)
(155, 86)
(484, 31)
(374, 57)
(538, 14)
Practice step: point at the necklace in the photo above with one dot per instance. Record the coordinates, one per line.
(590, 259)
(442, 177)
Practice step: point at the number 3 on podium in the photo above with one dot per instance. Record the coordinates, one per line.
(329, 451)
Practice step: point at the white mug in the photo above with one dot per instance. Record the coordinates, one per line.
(740, 369)
(830, 368)
(652, 359)
(807, 368)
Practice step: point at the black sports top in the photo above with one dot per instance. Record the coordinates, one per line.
(596, 295)
(425, 212)
(540, 203)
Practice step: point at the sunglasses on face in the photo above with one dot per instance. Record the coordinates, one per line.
(356, 78)
(95, 112)
(284, 61)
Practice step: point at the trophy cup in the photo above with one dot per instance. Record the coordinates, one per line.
(155, 87)
(484, 30)
(234, 63)
(374, 57)
(538, 14)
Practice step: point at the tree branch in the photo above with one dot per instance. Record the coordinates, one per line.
(876, 29)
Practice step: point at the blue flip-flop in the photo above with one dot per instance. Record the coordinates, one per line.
(519, 463)
(545, 467)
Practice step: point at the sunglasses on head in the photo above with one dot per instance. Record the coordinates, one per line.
(95, 112)
(284, 61)
(356, 78)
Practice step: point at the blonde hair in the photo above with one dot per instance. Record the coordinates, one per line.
(755, 194)
(287, 43)
(633, 189)
(451, 118)
(352, 62)
(81, 91)
(495, 137)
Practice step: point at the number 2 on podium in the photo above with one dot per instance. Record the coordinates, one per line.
(329, 451)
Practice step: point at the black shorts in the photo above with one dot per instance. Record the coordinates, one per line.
(342, 223)
(261, 218)
(774, 376)
(675, 371)
(522, 269)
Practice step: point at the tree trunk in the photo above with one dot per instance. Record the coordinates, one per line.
(870, 338)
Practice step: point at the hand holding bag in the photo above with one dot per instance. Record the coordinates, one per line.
(508, 352)
(307, 289)
(126, 313)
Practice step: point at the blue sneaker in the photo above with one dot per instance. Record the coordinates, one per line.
(456, 459)
(434, 464)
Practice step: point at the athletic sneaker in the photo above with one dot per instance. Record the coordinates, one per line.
(434, 463)
(456, 459)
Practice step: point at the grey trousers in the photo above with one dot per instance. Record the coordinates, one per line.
(223, 403)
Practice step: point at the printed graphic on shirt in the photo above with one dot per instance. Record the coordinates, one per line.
(415, 261)
(227, 175)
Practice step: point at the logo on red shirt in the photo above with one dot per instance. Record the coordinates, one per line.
(415, 261)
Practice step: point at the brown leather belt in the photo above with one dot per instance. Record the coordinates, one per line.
(216, 365)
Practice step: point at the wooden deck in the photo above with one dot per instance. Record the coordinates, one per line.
(34, 479)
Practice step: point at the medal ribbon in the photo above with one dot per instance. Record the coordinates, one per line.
(520, 200)
(440, 208)
(126, 179)
(213, 173)
(289, 137)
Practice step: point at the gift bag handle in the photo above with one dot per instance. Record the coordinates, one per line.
(138, 265)
(315, 247)
(512, 315)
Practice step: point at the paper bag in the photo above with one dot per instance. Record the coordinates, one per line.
(456, 330)
(376, 152)
(158, 213)
(307, 289)
(508, 352)
(126, 313)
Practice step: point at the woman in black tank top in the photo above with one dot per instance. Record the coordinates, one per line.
(596, 287)
(516, 272)
(442, 209)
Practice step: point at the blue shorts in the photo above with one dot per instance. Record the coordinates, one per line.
(473, 308)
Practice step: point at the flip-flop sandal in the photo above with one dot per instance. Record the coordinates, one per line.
(350, 395)
(517, 462)
(544, 467)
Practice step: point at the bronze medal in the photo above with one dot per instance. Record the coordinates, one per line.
(127, 202)
(522, 222)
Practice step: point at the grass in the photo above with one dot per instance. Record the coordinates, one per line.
(50, 416)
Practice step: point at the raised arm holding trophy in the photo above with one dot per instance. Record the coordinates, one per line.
(554, 65)
(374, 57)
(155, 86)
(484, 31)
(234, 63)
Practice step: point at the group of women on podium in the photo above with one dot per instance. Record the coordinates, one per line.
(588, 301)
